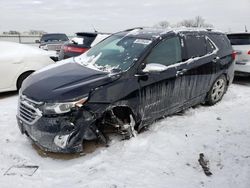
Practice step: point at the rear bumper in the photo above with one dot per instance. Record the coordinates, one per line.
(242, 67)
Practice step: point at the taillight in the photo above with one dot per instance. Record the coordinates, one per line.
(248, 52)
(74, 49)
(234, 54)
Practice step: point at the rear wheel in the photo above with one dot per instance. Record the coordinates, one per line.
(21, 78)
(217, 91)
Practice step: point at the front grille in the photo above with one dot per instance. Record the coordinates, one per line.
(28, 110)
(54, 47)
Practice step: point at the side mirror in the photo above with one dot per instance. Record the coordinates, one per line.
(154, 67)
(37, 41)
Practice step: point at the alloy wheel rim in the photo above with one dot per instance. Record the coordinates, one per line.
(218, 90)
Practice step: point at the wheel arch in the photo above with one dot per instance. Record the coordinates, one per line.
(26, 73)
(123, 112)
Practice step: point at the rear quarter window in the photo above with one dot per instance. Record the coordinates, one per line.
(210, 46)
(222, 42)
(239, 39)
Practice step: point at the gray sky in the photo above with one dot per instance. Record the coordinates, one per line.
(70, 16)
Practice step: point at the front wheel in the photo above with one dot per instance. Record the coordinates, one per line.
(217, 91)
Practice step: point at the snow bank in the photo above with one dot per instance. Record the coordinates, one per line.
(165, 156)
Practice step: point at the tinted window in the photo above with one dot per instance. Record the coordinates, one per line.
(88, 38)
(196, 45)
(54, 37)
(166, 52)
(239, 39)
(210, 46)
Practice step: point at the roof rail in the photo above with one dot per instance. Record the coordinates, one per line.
(131, 29)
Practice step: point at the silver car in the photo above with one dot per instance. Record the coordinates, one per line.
(241, 44)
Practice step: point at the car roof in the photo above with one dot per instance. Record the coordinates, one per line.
(153, 33)
(54, 34)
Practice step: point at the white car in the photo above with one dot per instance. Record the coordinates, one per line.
(17, 62)
(241, 44)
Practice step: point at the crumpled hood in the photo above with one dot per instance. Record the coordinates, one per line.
(63, 82)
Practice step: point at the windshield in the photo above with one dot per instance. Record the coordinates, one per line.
(54, 37)
(115, 53)
(239, 39)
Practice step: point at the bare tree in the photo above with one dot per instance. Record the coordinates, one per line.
(163, 24)
(186, 23)
(198, 21)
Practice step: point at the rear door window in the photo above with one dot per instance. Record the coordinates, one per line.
(239, 39)
(167, 52)
(196, 45)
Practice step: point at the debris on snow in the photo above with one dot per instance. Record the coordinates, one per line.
(28, 170)
(218, 118)
(204, 164)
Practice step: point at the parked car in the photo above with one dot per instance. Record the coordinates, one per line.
(17, 62)
(53, 42)
(124, 83)
(80, 44)
(241, 45)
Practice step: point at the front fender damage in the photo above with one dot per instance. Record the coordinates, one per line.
(66, 133)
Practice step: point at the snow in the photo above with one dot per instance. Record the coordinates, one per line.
(89, 61)
(165, 156)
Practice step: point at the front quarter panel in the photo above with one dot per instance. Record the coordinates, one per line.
(122, 92)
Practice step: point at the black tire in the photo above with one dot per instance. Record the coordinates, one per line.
(21, 78)
(217, 90)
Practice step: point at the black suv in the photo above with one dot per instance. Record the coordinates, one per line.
(123, 84)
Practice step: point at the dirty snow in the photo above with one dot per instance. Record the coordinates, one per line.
(165, 156)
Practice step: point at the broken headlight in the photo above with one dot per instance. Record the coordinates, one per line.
(60, 108)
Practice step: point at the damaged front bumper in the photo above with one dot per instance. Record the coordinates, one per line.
(58, 133)
(47, 139)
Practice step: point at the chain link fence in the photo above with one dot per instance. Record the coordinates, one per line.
(24, 39)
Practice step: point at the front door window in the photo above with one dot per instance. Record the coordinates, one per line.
(167, 52)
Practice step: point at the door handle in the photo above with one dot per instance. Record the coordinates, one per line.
(181, 72)
(216, 59)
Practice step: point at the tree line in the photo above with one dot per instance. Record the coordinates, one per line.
(198, 22)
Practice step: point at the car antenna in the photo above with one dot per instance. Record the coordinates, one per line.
(246, 29)
(94, 29)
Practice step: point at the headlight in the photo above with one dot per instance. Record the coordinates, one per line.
(44, 47)
(60, 108)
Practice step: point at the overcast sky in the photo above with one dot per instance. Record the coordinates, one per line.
(70, 16)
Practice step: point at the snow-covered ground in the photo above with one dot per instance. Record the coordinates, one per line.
(165, 156)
